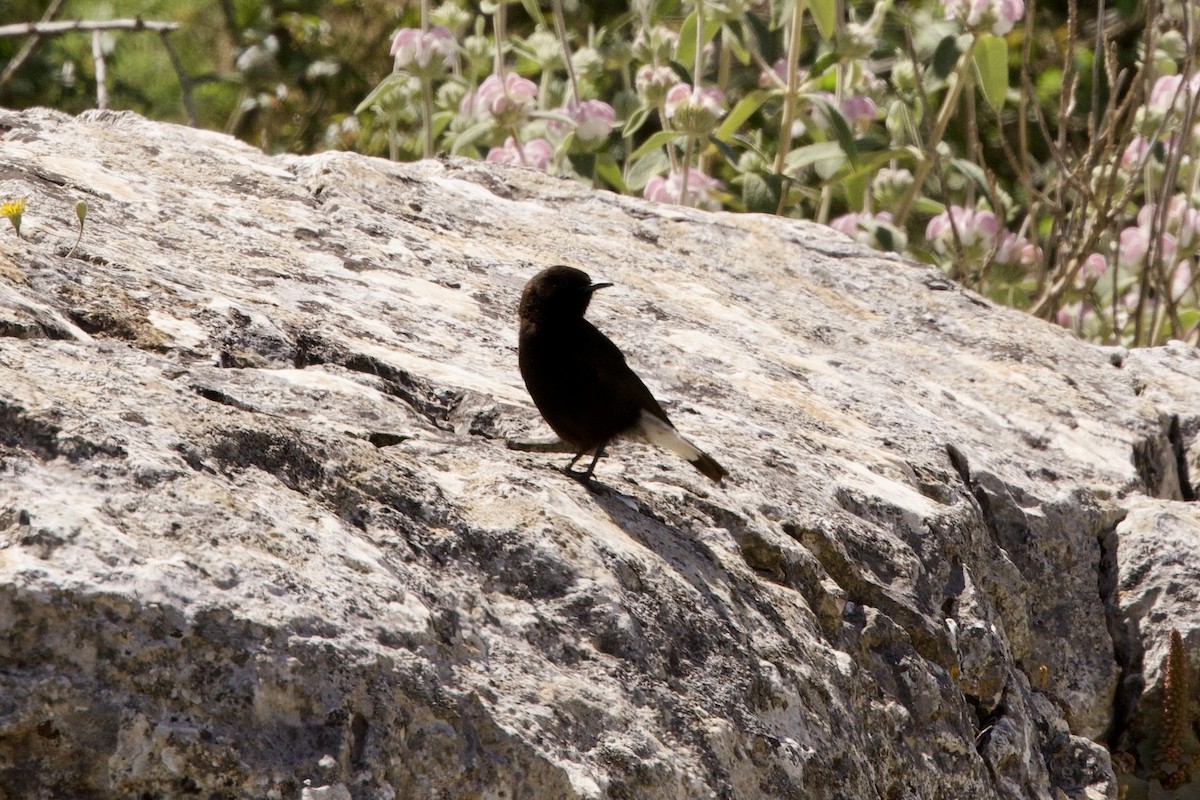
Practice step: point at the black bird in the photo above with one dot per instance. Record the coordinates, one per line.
(579, 380)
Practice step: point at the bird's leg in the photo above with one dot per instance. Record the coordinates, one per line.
(587, 476)
(584, 477)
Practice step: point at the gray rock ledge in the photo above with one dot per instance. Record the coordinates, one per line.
(261, 535)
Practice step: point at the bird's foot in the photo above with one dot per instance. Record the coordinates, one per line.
(585, 478)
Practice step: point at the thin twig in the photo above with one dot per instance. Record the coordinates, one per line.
(789, 99)
(560, 28)
(1163, 273)
(30, 45)
(185, 83)
(939, 130)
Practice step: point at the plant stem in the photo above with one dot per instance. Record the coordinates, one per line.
(789, 99)
(560, 27)
(427, 115)
(939, 130)
(687, 163)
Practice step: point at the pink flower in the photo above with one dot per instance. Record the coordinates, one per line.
(859, 111)
(1183, 278)
(1016, 250)
(1134, 243)
(867, 229)
(1189, 230)
(594, 120)
(985, 227)
(416, 50)
(656, 45)
(779, 70)
(998, 16)
(507, 100)
(694, 111)
(536, 153)
(1181, 230)
(653, 83)
(1163, 94)
(1168, 247)
(1183, 221)
(1093, 268)
(701, 189)
(938, 230)
(1134, 153)
(846, 223)
(1008, 14)
(1071, 316)
(977, 232)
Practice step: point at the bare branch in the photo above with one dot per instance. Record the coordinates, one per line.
(185, 83)
(68, 26)
(101, 71)
(29, 46)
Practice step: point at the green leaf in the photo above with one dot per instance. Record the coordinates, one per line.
(635, 121)
(583, 163)
(564, 148)
(684, 73)
(886, 236)
(534, 12)
(730, 39)
(945, 58)
(686, 51)
(761, 192)
(470, 136)
(753, 147)
(991, 64)
(556, 116)
(854, 180)
(645, 168)
(440, 120)
(854, 189)
(781, 12)
(824, 62)
(741, 112)
(608, 169)
(728, 153)
(812, 153)
(756, 35)
(832, 170)
(657, 140)
(841, 128)
(392, 81)
(927, 207)
(824, 13)
(972, 172)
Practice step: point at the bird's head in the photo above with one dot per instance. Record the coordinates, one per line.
(557, 293)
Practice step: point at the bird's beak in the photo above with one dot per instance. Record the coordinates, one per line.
(596, 286)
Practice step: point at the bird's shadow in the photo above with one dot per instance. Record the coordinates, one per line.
(678, 548)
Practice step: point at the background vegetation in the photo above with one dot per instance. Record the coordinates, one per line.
(1043, 153)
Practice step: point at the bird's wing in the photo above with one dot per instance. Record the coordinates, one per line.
(614, 382)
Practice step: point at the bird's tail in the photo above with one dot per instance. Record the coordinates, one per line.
(663, 434)
(709, 466)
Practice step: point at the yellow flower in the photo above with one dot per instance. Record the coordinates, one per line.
(13, 209)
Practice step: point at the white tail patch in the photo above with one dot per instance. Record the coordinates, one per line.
(663, 435)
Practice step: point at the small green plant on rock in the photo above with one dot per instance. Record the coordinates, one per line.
(1169, 753)
(1179, 745)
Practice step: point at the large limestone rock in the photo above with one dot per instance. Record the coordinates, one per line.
(261, 534)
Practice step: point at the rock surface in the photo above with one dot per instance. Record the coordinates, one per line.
(261, 535)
